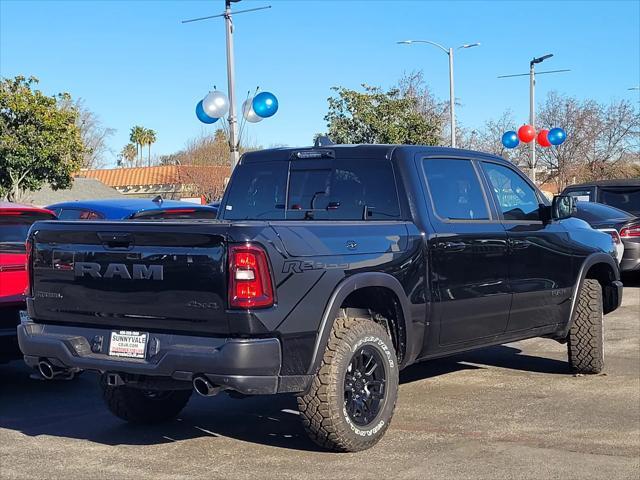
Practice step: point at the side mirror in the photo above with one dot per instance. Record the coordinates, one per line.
(563, 206)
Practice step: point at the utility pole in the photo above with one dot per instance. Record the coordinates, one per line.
(234, 140)
(532, 102)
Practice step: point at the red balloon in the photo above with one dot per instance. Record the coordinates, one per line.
(526, 133)
(543, 140)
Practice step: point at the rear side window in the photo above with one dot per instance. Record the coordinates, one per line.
(314, 190)
(455, 189)
(516, 198)
(627, 199)
(14, 227)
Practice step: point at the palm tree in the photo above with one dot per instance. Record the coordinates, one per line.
(129, 153)
(137, 137)
(149, 137)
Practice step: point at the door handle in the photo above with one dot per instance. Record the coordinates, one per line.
(518, 244)
(454, 246)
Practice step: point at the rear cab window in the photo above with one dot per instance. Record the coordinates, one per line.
(313, 189)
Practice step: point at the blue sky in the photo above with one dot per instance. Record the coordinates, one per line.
(135, 63)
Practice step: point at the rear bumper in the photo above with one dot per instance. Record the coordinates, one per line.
(249, 366)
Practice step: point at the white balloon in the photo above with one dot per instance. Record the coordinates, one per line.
(215, 104)
(248, 113)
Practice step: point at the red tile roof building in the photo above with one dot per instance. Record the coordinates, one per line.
(170, 181)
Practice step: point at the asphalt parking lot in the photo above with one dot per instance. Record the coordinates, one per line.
(513, 411)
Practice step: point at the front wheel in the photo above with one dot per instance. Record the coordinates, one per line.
(144, 406)
(585, 342)
(352, 397)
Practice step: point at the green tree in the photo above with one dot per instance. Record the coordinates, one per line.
(376, 116)
(136, 136)
(129, 153)
(149, 138)
(40, 141)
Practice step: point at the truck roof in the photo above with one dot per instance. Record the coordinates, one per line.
(371, 151)
(621, 182)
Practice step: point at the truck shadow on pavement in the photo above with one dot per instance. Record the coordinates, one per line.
(74, 409)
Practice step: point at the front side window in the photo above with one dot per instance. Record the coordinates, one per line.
(517, 200)
(455, 189)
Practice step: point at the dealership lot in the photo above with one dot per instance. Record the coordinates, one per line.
(512, 411)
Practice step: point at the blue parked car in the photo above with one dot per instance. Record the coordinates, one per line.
(131, 208)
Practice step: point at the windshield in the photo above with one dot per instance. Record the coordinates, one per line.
(627, 199)
(14, 227)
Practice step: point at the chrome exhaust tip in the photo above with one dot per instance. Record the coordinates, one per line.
(204, 387)
(48, 371)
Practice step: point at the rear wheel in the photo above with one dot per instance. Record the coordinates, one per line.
(144, 406)
(352, 397)
(585, 342)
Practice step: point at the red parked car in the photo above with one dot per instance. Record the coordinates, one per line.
(15, 221)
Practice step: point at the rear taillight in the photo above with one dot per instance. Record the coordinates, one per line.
(250, 284)
(29, 250)
(614, 236)
(628, 232)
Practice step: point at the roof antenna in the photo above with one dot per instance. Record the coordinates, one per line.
(323, 141)
(157, 200)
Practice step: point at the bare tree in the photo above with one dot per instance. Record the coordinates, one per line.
(601, 139)
(93, 133)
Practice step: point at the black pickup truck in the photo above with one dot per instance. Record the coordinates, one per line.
(328, 270)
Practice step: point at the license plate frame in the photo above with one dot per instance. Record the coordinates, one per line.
(128, 344)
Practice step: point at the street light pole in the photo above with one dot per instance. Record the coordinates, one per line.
(532, 116)
(452, 98)
(233, 121)
(532, 102)
(452, 101)
(234, 138)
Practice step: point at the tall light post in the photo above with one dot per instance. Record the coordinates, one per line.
(234, 139)
(532, 101)
(452, 98)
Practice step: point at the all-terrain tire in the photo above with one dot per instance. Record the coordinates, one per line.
(323, 408)
(585, 342)
(144, 407)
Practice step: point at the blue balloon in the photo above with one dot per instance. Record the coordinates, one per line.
(203, 117)
(510, 139)
(556, 136)
(265, 104)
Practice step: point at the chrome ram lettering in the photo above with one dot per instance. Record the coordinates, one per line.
(119, 270)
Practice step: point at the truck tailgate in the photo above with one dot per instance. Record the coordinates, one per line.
(150, 276)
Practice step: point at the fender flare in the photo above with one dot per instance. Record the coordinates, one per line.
(340, 293)
(590, 261)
